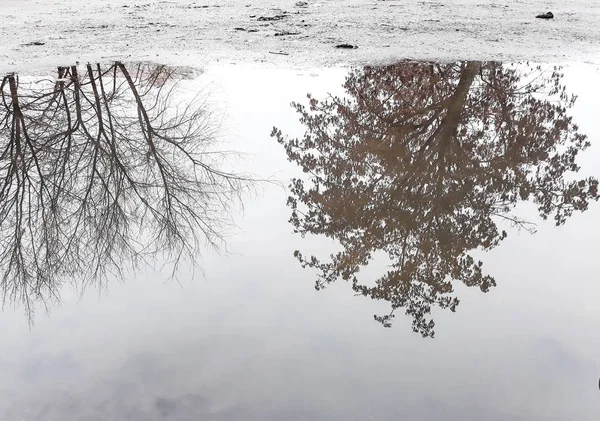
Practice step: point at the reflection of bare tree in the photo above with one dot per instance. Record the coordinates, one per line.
(103, 169)
(420, 161)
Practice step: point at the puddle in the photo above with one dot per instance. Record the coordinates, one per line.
(409, 188)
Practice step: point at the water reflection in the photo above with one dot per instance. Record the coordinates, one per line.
(101, 170)
(424, 163)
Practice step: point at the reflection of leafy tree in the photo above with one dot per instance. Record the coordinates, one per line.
(100, 169)
(420, 161)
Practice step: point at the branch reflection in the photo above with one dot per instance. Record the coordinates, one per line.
(421, 162)
(102, 169)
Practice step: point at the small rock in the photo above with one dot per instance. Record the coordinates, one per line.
(346, 46)
(284, 33)
(548, 15)
(301, 4)
(271, 18)
(34, 43)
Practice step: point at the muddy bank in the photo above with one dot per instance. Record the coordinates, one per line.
(39, 34)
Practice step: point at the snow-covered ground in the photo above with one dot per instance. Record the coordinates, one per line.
(204, 31)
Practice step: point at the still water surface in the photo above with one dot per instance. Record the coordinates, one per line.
(245, 336)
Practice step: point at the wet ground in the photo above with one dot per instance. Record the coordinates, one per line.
(429, 183)
(47, 33)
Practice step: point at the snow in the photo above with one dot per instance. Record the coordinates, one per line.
(203, 32)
